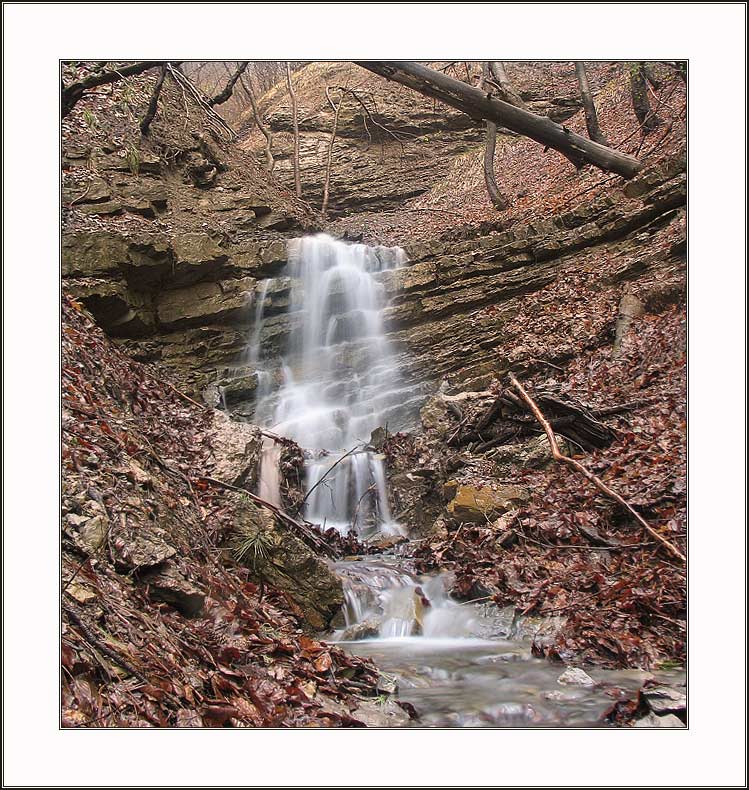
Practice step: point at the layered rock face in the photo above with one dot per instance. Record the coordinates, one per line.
(190, 302)
(391, 144)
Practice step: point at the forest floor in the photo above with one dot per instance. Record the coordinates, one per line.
(143, 549)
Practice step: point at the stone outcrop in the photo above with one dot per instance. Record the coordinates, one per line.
(276, 556)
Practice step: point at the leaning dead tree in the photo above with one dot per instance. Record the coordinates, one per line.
(591, 117)
(499, 201)
(295, 123)
(640, 102)
(228, 90)
(71, 94)
(153, 103)
(482, 107)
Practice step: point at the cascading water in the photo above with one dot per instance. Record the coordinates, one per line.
(338, 380)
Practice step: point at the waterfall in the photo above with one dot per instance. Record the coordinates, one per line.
(338, 379)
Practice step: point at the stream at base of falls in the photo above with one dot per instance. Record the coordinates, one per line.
(338, 379)
(463, 664)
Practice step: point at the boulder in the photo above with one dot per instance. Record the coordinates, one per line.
(471, 504)
(235, 450)
(574, 676)
(276, 556)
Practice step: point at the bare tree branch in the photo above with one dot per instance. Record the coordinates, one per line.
(597, 482)
(267, 133)
(226, 93)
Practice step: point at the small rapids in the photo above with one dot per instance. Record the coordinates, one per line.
(463, 665)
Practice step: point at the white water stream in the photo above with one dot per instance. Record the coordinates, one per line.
(338, 381)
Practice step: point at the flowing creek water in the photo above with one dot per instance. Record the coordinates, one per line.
(457, 664)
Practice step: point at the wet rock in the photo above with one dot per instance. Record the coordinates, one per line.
(653, 721)
(574, 676)
(384, 542)
(381, 713)
(473, 505)
(235, 451)
(666, 699)
(366, 629)
(167, 584)
(279, 558)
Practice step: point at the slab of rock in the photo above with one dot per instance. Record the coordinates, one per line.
(235, 451)
(473, 505)
(204, 303)
(574, 676)
(286, 563)
(665, 699)
(196, 255)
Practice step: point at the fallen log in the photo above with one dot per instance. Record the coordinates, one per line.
(482, 106)
(597, 482)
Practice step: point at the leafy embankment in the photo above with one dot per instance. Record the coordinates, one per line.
(160, 626)
(568, 551)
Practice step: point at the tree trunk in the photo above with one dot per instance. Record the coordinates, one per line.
(591, 117)
(329, 164)
(295, 122)
(506, 91)
(269, 160)
(499, 201)
(645, 115)
(482, 107)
